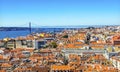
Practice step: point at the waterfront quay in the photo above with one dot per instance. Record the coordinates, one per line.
(72, 50)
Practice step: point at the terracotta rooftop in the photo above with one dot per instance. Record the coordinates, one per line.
(61, 67)
(1, 56)
(2, 71)
(116, 37)
(98, 46)
(6, 65)
(73, 46)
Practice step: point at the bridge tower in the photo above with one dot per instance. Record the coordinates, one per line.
(30, 27)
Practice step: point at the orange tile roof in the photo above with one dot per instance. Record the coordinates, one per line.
(97, 42)
(2, 71)
(101, 42)
(46, 50)
(72, 46)
(98, 46)
(61, 67)
(78, 43)
(6, 65)
(21, 56)
(36, 57)
(116, 37)
(29, 49)
(1, 56)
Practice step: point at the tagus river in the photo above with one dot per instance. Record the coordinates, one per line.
(14, 34)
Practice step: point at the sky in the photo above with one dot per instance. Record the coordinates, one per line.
(59, 12)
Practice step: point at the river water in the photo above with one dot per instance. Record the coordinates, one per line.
(14, 34)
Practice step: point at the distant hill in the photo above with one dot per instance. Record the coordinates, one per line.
(13, 28)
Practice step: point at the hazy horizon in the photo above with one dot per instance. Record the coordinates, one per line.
(65, 26)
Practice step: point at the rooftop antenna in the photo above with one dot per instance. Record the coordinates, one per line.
(30, 27)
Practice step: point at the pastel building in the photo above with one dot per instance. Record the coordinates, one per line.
(116, 61)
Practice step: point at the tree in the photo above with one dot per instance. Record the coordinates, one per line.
(53, 44)
(65, 60)
(65, 36)
(90, 48)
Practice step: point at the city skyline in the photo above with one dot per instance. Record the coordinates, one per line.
(59, 12)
